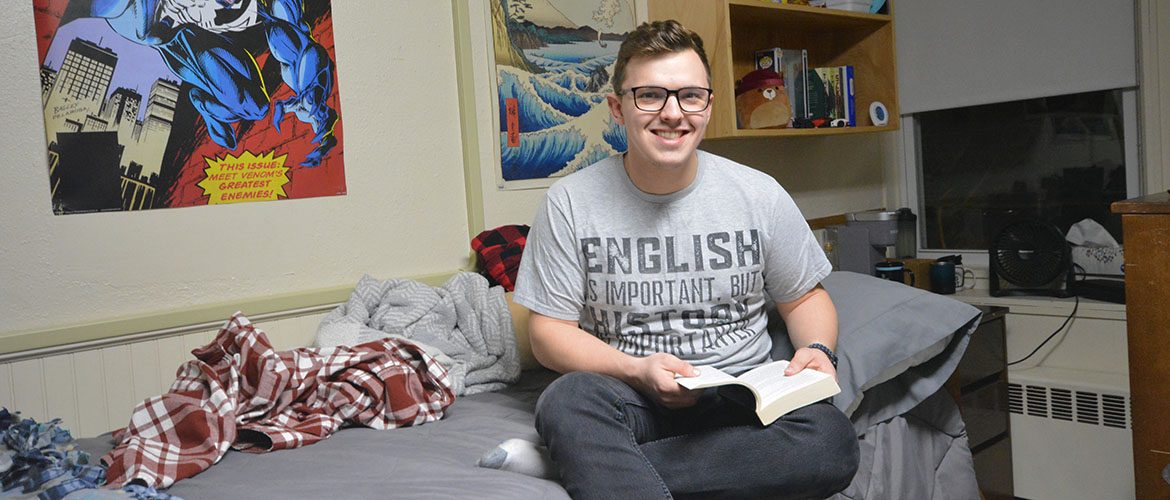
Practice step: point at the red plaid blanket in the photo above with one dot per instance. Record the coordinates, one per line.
(242, 394)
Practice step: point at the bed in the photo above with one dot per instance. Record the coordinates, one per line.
(898, 345)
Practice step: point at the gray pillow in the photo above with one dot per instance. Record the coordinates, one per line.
(897, 344)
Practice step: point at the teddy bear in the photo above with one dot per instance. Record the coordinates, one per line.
(761, 100)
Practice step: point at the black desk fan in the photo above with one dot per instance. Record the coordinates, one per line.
(1029, 257)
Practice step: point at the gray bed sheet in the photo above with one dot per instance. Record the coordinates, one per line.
(921, 454)
(435, 460)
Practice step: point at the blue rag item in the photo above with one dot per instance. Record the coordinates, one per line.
(39, 457)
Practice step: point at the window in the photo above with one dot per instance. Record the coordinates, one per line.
(1061, 159)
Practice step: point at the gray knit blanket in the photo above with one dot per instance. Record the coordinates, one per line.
(465, 325)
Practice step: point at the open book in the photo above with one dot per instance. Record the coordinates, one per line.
(772, 393)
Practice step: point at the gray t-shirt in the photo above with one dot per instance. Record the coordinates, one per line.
(687, 273)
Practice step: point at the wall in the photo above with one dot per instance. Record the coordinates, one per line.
(403, 165)
(1154, 78)
(825, 175)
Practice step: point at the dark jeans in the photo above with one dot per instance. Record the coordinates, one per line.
(610, 441)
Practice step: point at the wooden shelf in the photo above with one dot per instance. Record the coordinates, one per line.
(801, 17)
(733, 30)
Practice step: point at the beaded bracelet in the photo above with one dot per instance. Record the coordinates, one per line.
(825, 349)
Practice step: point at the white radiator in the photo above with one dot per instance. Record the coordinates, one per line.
(94, 391)
(1071, 434)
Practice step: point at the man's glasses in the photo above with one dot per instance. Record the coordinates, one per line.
(653, 99)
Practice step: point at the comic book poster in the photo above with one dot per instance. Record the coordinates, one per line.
(554, 59)
(176, 103)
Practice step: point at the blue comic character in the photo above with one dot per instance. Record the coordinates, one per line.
(201, 42)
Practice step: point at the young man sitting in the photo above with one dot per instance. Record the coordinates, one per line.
(651, 265)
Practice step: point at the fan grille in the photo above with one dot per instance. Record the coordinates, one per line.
(1030, 253)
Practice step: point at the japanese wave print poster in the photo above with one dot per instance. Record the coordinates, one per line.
(554, 60)
(175, 103)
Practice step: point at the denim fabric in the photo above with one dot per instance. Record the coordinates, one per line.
(82, 477)
(610, 441)
(38, 477)
(60, 490)
(130, 491)
(141, 492)
(37, 456)
(7, 419)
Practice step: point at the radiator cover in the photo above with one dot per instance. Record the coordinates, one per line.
(1071, 434)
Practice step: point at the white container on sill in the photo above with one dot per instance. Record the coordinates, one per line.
(851, 5)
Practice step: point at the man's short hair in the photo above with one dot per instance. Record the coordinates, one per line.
(656, 38)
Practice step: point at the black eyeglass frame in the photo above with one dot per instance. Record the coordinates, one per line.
(633, 91)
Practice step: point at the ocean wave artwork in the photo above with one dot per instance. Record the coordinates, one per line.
(556, 78)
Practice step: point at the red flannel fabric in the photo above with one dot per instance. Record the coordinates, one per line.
(499, 251)
(241, 393)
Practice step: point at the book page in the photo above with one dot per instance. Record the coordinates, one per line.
(708, 376)
(770, 382)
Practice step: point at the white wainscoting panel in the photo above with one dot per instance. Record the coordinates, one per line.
(28, 385)
(170, 356)
(119, 382)
(60, 391)
(144, 371)
(194, 341)
(95, 391)
(6, 391)
(89, 376)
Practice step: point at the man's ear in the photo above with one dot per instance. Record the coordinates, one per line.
(615, 108)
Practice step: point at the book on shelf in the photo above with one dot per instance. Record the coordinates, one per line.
(820, 102)
(849, 99)
(792, 65)
(839, 95)
(831, 79)
(766, 388)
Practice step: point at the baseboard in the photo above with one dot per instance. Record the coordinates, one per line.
(23, 345)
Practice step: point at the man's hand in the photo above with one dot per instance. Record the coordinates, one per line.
(563, 346)
(654, 377)
(807, 357)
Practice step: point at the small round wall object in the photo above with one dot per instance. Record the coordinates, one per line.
(878, 114)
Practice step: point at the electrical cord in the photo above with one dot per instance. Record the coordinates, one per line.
(1062, 325)
(1077, 272)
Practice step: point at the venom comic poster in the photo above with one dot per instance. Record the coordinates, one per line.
(175, 103)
